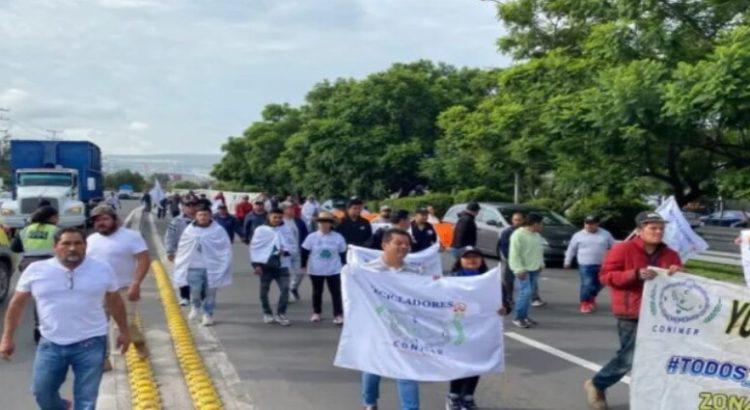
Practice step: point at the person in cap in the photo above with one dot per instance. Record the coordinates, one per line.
(322, 252)
(470, 262)
(355, 229)
(422, 231)
(526, 260)
(625, 269)
(465, 231)
(126, 252)
(36, 243)
(400, 220)
(270, 255)
(203, 263)
(588, 246)
(254, 219)
(172, 238)
(296, 231)
(227, 221)
(385, 215)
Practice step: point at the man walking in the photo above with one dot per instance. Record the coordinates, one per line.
(68, 291)
(172, 239)
(243, 208)
(253, 220)
(526, 261)
(509, 278)
(227, 221)
(465, 231)
(355, 229)
(385, 215)
(422, 231)
(309, 210)
(127, 254)
(296, 232)
(589, 246)
(174, 205)
(146, 201)
(624, 270)
(204, 259)
(396, 245)
(399, 219)
(270, 254)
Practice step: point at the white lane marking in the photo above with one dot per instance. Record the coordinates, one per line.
(559, 353)
(129, 219)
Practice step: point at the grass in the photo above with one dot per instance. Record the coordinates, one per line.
(716, 271)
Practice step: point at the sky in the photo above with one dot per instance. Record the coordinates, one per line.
(168, 76)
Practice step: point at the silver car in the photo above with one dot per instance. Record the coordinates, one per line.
(493, 217)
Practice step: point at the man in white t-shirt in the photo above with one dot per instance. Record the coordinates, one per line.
(68, 290)
(126, 252)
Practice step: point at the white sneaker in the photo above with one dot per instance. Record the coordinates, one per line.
(282, 320)
(208, 320)
(184, 302)
(338, 320)
(267, 319)
(193, 315)
(315, 318)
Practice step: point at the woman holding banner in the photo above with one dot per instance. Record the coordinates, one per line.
(470, 262)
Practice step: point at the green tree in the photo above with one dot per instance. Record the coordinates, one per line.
(113, 180)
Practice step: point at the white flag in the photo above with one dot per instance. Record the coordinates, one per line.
(415, 327)
(426, 262)
(157, 194)
(678, 234)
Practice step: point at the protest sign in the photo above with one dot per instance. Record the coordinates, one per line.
(745, 251)
(426, 262)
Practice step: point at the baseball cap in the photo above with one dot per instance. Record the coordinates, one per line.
(466, 250)
(385, 207)
(534, 218)
(473, 206)
(648, 217)
(325, 216)
(399, 216)
(100, 210)
(422, 211)
(591, 219)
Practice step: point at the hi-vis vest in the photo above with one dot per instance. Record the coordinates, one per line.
(38, 239)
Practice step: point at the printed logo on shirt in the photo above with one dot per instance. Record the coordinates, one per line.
(326, 254)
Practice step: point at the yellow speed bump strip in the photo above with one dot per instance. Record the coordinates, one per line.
(144, 393)
(200, 386)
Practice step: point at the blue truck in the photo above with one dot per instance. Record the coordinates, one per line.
(65, 174)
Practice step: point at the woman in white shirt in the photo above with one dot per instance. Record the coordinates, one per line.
(322, 255)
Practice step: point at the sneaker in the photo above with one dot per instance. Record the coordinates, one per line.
(452, 403)
(594, 397)
(107, 365)
(315, 318)
(338, 320)
(521, 323)
(193, 315)
(531, 322)
(538, 303)
(267, 318)
(282, 320)
(585, 307)
(468, 404)
(295, 295)
(208, 320)
(184, 302)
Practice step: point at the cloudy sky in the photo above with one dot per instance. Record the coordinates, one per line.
(168, 76)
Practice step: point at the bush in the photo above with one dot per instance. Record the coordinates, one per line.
(546, 203)
(481, 194)
(440, 201)
(617, 214)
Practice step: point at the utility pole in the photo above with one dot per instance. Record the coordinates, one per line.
(516, 187)
(53, 134)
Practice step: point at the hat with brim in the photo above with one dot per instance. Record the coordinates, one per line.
(325, 217)
(468, 250)
(647, 217)
(591, 219)
(100, 210)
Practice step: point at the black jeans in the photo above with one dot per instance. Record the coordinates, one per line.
(509, 279)
(334, 287)
(464, 387)
(281, 276)
(185, 293)
(620, 365)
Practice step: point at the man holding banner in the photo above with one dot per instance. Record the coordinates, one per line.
(625, 268)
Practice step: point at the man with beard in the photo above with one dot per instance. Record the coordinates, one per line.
(127, 254)
(68, 290)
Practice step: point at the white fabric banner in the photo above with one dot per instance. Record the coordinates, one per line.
(426, 261)
(157, 194)
(692, 345)
(415, 327)
(678, 233)
(745, 251)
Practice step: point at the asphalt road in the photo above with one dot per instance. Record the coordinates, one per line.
(288, 368)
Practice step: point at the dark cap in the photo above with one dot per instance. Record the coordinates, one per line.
(276, 211)
(534, 218)
(473, 206)
(648, 217)
(466, 250)
(399, 216)
(591, 219)
(422, 211)
(353, 201)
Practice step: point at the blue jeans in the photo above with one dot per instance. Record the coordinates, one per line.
(51, 366)
(590, 285)
(198, 281)
(408, 391)
(526, 288)
(620, 365)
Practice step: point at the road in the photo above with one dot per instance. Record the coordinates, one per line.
(287, 368)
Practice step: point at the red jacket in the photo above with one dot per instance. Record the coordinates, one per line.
(620, 272)
(242, 209)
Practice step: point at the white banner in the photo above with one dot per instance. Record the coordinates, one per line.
(678, 233)
(415, 327)
(426, 262)
(692, 345)
(745, 251)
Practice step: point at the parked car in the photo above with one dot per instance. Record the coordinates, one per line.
(495, 216)
(731, 218)
(693, 218)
